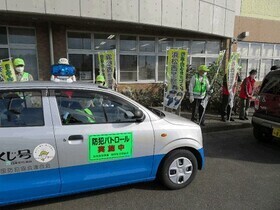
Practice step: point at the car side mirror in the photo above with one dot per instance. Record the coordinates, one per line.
(139, 115)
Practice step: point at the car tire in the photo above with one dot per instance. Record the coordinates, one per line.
(178, 169)
(261, 136)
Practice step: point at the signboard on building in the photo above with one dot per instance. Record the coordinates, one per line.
(107, 67)
(176, 69)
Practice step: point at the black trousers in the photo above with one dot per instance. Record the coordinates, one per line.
(225, 107)
(197, 103)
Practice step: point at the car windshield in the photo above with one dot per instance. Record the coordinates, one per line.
(157, 112)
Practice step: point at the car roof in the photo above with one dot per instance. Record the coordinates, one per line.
(49, 84)
(274, 72)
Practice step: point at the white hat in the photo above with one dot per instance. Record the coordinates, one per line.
(63, 61)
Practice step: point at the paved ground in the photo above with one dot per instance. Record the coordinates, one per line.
(240, 173)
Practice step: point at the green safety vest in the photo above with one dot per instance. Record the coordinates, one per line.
(25, 77)
(87, 111)
(200, 87)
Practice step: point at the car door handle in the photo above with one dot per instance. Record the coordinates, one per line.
(75, 137)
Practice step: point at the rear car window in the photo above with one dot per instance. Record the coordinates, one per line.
(21, 109)
(271, 85)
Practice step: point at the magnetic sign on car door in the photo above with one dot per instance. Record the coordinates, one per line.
(110, 146)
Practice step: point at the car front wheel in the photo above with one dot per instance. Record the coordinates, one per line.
(178, 169)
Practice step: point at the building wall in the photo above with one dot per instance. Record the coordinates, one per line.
(206, 16)
(264, 9)
(260, 30)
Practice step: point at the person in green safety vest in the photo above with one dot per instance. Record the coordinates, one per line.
(100, 80)
(21, 75)
(86, 104)
(198, 87)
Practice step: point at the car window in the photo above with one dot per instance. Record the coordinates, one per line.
(89, 107)
(21, 108)
(271, 85)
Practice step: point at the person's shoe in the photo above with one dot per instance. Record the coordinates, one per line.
(223, 119)
(231, 119)
(241, 118)
(246, 118)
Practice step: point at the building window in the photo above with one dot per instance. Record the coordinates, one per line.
(79, 40)
(147, 66)
(198, 47)
(83, 64)
(139, 58)
(104, 41)
(20, 42)
(164, 43)
(259, 56)
(128, 43)
(128, 68)
(3, 35)
(147, 44)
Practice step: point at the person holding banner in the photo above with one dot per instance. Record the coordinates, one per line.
(226, 98)
(21, 75)
(100, 80)
(246, 93)
(198, 87)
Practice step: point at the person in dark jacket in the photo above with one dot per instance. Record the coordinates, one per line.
(246, 93)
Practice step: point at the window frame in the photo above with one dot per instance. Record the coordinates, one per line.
(42, 94)
(14, 46)
(53, 92)
(139, 53)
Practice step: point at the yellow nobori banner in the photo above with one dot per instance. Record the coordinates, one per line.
(107, 66)
(8, 72)
(176, 69)
(176, 77)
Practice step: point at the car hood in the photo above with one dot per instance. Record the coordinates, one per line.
(177, 120)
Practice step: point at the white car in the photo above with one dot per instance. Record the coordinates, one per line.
(61, 138)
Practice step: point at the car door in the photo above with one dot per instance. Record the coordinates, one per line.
(28, 155)
(101, 147)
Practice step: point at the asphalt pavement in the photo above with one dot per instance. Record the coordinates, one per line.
(240, 173)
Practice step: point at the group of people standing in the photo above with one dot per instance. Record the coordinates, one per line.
(199, 87)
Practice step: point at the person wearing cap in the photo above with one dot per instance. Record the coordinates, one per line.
(246, 94)
(100, 80)
(21, 75)
(198, 87)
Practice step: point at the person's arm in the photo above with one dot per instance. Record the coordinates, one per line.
(246, 86)
(191, 85)
(207, 85)
(30, 78)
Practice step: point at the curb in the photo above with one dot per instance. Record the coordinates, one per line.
(226, 127)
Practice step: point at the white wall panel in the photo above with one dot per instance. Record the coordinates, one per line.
(63, 7)
(150, 12)
(190, 14)
(229, 24)
(125, 10)
(231, 4)
(171, 13)
(37, 6)
(221, 3)
(219, 20)
(96, 9)
(205, 17)
(3, 5)
(210, 1)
